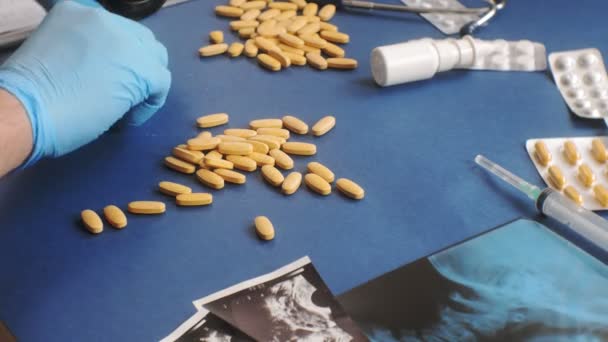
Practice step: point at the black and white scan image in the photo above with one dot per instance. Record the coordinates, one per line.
(295, 306)
(206, 327)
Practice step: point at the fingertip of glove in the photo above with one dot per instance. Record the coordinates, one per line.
(142, 113)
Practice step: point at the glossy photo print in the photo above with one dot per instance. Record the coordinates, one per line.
(518, 282)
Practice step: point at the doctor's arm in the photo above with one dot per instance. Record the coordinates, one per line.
(15, 133)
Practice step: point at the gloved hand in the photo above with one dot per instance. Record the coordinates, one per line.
(81, 71)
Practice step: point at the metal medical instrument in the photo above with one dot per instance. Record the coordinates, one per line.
(553, 204)
(486, 13)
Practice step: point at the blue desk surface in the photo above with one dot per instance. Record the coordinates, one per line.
(410, 146)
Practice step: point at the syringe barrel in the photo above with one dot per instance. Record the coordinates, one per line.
(584, 222)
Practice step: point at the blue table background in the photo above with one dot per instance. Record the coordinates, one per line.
(410, 146)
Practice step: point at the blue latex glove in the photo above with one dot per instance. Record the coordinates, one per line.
(81, 71)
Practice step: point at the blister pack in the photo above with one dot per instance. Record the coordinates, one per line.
(446, 22)
(502, 55)
(580, 76)
(575, 166)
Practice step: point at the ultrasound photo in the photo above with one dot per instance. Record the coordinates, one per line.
(291, 304)
(206, 327)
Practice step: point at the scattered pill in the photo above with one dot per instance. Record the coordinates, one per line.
(297, 24)
(228, 11)
(204, 135)
(324, 125)
(236, 49)
(309, 49)
(259, 4)
(310, 9)
(251, 14)
(235, 148)
(212, 120)
(285, 15)
(198, 144)
(291, 183)
(241, 24)
(173, 189)
(187, 155)
(283, 6)
(327, 12)
(213, 50)
(350, 188)
(573, 194)
(269, 62)
(557, 177)
(261, 159)
(259, 147)
(264, 228)
(214, 155)
(571, 152)
(298, 60)
(601, 195)
(243, 163)
(541, 153)
(265, 44)
(599, 150)
(231, 176)
(290, 49)
(333, 50)
(282, 159)
(585, 175)
(325, 26)
(291, 40)
(251, 49)
(335, 37)
(216, 37)
(195, 199)
(115, 216)
(309, 29)
(299, 148)
(278, 132)
(240, 132)
(271, 143)
(215, 163)
(321, 170)
(266, 123)
(269, 14)
(92, 222)
(314, 41)
(230, 138)
(317, 184)
(210, 179)
(280, 56)
(179, 165)
(342, 63)
(295, 125)
(146, 207)
(245, 33)
(237, 3)
(316, 60)
(272, 175)
(300, 3)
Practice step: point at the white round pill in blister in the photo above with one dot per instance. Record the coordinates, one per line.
(564, 63)
(587, 60)
(593, 78)
(576, 93)
(570, 80)
(500, 62)
(601, 93)
(602, 105)
(590, 112)
(524, 47)
(582, 104)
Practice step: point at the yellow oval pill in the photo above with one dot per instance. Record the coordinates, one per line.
(212, 120)
(309, 29)
(297, 24)
(243, 163)
(213, 50)
(295, 125)
(236, 49)
(215, 163)
(277, 132)
(271, 143)
(335, 37)
(296, 59)
(283, 6)
(198, 144)
(269, 14)
(259, 147)
(272, 175)
(92, 222)
(317, 61)
(216, 37)
(261, 159)
(269, 62)
(571, 152)
(290, 50)
(204, 135)
(210, 179)
(598, 149)
(265, 44)
(585, 175)
(291, 40)
(282, 159)
(299, 148)
(327, 12)
(291, 183)
(241, 24)
(310, 9)
(195, 199)
(342, 63)
(228, 11)
(214, 155)
(300, 3)
(317, 184)
(264, 228)
(173, 189)
(325, 26)
(309, 49)
(240, 132)
(573, 194)
(230, 138)
(115, 216)
(231, 176)
(350, 188)
(556, 177)
(236, 3)
(266, 123)
(251, 49)
(541, 153)
(251, 14)
(324, 125)
(321, 170)
(313, 41)
(258, 4)
(189, 156)
(146, 207)
(179, 165)
(286, 15)
(281, 57)
(235, 148)
(333, 50)
(601, 195)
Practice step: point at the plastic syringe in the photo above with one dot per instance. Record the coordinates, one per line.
(555, 205)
